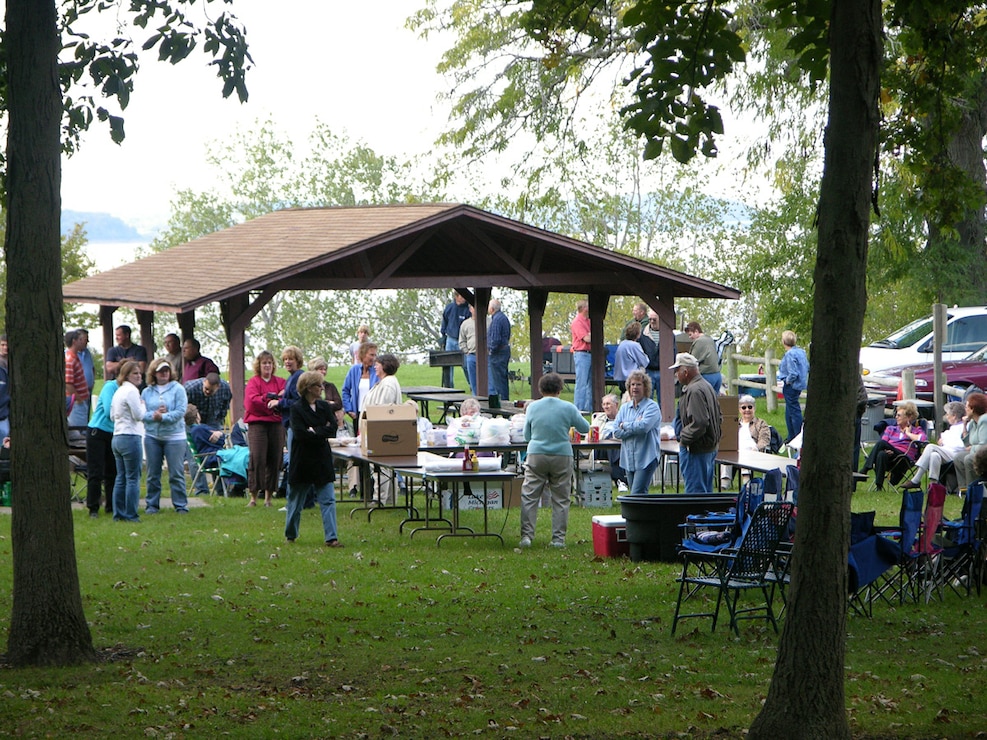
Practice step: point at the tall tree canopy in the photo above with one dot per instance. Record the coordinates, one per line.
(47, 105)
(540, 71)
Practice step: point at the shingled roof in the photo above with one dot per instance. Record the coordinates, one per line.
(429, 245)
(367, 247)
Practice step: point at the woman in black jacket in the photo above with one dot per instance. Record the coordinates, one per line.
(310, 466)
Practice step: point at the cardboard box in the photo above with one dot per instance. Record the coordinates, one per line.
(389, 430)
(505, 495)
(730, 408)
(596, 488)
(610, 536)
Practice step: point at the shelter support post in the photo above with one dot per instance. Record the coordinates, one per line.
(237, 313)
(664, 306)
(482, 356)
(598, 303)
(106, 324)
(145, 320)
(537, 300)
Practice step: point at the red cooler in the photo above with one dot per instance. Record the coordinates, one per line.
(610, 536)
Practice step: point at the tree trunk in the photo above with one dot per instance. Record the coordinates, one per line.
(47, 626)
(806, 697)
(963, 271)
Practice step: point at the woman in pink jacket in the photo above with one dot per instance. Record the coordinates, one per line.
(265, 433)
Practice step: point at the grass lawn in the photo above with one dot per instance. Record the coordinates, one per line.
(210, 624)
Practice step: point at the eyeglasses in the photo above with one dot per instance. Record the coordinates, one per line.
(746, 406)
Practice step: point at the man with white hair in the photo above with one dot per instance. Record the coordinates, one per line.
(697, 425)
(498, 350)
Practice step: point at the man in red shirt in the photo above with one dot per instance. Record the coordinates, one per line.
(196, 366)
(76, 387)
(581, 358)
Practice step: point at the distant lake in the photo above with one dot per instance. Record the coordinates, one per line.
(108, 255)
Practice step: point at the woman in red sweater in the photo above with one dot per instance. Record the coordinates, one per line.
(265, 434)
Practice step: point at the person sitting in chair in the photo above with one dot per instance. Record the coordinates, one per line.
(897, 447)
(933, 456)
(754, 434)
(206, 439)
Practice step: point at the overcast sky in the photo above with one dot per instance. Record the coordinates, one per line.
(352, 65)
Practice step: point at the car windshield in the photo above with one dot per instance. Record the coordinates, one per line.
(907, 336)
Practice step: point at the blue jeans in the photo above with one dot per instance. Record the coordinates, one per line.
(655, 376)
(79, 415)
(638, 481)
(127, 488)
(325, 495)
(583, 362)
(471, 372)
(497, 373)
(4, 428)
(697, 470)
(174, 451)
(448, 373)
(715, 380)
(793, 411)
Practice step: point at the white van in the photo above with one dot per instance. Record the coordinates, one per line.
(966, 332)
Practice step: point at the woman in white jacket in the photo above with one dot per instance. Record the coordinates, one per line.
(386, 392)
(127, 413)
(933, 456)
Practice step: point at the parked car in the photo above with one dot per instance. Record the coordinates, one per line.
(966, 331)
(966, 373)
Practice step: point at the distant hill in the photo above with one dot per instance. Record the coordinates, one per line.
(101, 227)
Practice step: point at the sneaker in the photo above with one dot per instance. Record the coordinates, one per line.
(557, 543)
(621, 487)
(94, 515)
(525, 542)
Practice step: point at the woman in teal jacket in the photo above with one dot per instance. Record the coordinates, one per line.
(547, 422)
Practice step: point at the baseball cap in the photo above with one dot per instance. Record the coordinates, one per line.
(684, 359)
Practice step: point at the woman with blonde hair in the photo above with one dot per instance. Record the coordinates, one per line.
(265, 434)
(335, 401)
(127, 413)
(311, 472)
(897, 447)
(164, 435)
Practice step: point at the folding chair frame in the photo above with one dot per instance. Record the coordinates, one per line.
(738, 570)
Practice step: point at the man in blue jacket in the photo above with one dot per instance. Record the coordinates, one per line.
(455, 313)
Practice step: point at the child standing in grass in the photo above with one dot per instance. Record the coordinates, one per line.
(310, 466)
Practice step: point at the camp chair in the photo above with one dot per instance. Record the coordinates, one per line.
(737, 570)
(870, 557)
(715, 531)
(915, 573)
(233, 463)
(902, 467)
(962, 545)
(79, 474)
(776, 443)
(208, 464)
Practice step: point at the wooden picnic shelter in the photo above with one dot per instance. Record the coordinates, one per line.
(428, 245)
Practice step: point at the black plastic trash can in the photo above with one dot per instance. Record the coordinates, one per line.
(653, 520)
